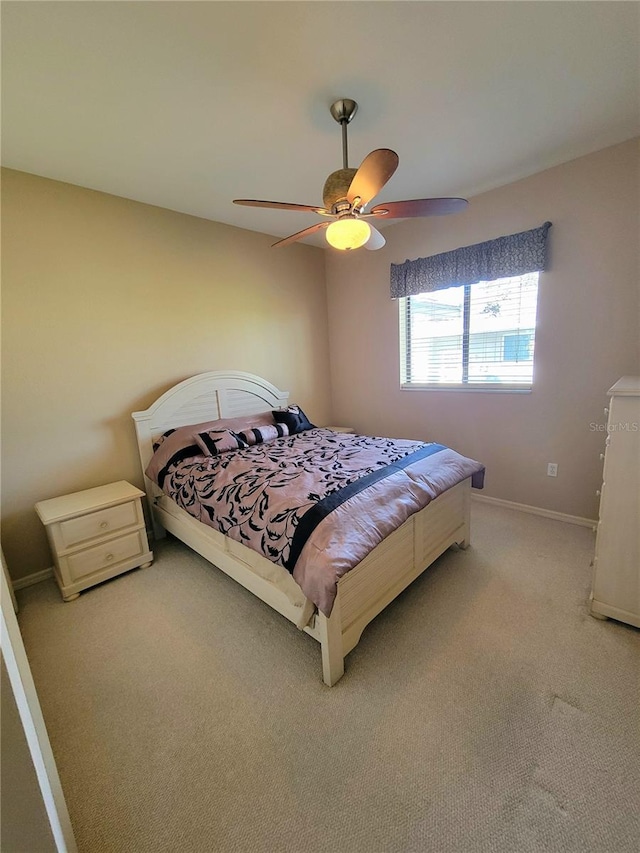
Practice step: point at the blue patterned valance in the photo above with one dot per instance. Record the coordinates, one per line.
(515, 254)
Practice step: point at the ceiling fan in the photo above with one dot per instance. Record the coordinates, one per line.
(347, 192)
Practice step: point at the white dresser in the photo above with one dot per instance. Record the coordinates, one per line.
(616, 572)
(95, 535)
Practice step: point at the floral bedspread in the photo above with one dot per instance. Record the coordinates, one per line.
(316, 502)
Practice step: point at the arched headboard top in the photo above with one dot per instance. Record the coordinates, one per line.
(207, 396)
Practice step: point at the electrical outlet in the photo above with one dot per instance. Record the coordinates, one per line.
(552, 469)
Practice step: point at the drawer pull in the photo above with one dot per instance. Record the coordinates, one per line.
(606, 410)
(109, 557)
(598, 492)
(104, 524)
(602, 456)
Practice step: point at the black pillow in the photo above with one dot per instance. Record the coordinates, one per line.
(294, 418)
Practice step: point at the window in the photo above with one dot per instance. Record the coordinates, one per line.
(477, 336)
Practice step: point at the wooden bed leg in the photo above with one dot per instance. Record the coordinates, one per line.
(465, 540)
(331, 644)
(465, 536)
(158, 530)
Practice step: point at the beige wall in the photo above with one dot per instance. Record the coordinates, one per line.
(106, 303)
(588, 332)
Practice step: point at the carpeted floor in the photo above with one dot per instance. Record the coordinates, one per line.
(484, 710)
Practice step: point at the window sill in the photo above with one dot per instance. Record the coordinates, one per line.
(470, 389)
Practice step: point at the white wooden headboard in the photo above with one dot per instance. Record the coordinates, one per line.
(205, 397)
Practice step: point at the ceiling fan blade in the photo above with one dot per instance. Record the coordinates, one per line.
(419, 207)
(299, 235)
(282, 205)
(376, 241)
(374, 172)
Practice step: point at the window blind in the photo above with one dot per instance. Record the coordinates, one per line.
(479, 334)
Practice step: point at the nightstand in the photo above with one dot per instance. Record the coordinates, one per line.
(341, 429)
(95, 535)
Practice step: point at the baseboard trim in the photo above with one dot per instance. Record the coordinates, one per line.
(36, 577)
(536, 510)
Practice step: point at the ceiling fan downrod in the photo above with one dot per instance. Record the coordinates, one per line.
(343, 111)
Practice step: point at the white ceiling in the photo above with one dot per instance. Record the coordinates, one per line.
(188, 105)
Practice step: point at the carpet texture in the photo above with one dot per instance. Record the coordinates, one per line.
(484, 710)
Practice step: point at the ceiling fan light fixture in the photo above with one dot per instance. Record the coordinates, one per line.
(348, 192)
(348, 233)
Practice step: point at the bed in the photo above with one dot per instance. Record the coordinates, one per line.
(363, 591)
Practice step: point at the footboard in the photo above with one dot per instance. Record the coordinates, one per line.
(368, 588)
(363, 592)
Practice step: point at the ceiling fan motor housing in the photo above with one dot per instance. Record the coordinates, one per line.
(337, 186)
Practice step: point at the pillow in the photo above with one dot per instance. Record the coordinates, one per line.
(159, 440)
(178, 444)
(258, 435)
(294, 418)
(173, 449)
(217, 441)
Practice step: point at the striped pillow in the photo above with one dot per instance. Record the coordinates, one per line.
(258, 435)
(217, 441)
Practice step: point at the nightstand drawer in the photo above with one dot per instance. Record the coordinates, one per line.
(104, 556)
(76, 530)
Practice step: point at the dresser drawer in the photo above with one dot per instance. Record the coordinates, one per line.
(104, 556)
(77, 530)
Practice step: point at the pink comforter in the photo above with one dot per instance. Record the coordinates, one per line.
(317, 502)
